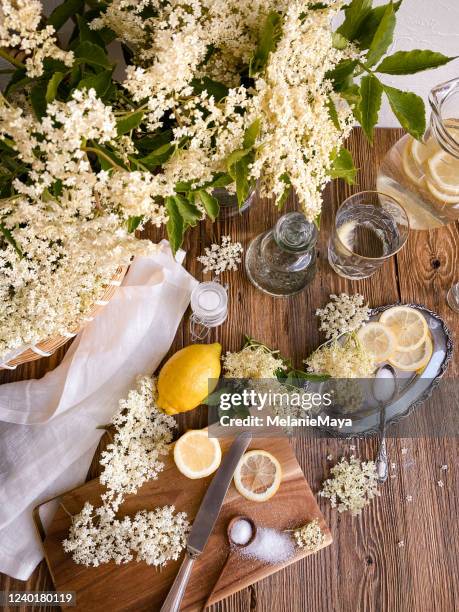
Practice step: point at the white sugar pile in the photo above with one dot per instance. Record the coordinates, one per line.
(270, 546)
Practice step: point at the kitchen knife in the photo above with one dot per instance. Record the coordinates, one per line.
(205, 519)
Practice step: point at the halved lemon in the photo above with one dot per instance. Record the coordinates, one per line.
(411, 169)
(378, 340)
(258, 475)
(408, 326)
(444, 198)
(412, 361)
(444, 169)
(422, 151)
(196, 455)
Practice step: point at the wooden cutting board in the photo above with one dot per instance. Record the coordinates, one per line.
(137, 586)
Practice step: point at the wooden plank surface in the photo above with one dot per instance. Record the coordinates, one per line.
(365, 568)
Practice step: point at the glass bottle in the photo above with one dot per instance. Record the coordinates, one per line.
(229, 206)
(424, 175)
(282, 261)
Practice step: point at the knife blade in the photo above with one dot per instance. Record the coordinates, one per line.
(213, 499)
(205, 520)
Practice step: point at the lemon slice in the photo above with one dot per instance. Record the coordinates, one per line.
(196, 455)
(444, 169)
(378, 340)
(411, 361)
(410, 167)
(444, 198)
(408, 326)
(422, 151)
(258, 475)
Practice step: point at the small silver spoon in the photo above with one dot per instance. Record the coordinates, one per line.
(382, 464)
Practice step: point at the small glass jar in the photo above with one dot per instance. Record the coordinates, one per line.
(282, 261)
(229, 206)
(209, 304)
(424, 175)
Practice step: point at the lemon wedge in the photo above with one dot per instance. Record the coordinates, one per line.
(444, 170)
(258, 475)
(378, 340)
(410, 168)
(444, 198)
(196, 455)
(423, 151)
(408, 326)
(412, 361)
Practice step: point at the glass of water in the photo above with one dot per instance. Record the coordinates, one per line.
(369, 228)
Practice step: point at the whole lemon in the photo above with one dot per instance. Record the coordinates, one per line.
(188, 377)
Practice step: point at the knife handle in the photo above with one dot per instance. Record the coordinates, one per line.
(177, 591)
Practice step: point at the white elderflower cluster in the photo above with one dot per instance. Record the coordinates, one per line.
(253, 362)
(343, 314)
(352, 486)
(342, 360)
(309, 537)
(156, 536)
(219, 258)
(142, 436)
(20, 30)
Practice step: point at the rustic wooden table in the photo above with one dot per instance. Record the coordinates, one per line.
(365, 568)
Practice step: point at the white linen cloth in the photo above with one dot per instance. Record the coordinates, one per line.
(48, 427)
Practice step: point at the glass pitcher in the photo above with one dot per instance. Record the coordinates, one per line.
(424, 175)
(282, 261)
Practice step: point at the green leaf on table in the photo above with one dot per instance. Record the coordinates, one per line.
(383, 37)
(63, 12)
(343, 167)
(355, 13)
(38, 99)
(189, 212)
(133, 223)
(371, 91)
(210, 204)
(99, 82)
(214, 88)
(370, 24)
(175, 226)
(129, 122)
(53, 84)
(409, 110)
(269, 38)
(410, 62)
(251, 134)
(341, 72)
(92, 54)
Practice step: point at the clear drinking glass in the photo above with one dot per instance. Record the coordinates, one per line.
(452, 297)
(424, 175)
(369, 228)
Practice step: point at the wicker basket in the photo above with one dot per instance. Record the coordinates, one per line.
(47, 347)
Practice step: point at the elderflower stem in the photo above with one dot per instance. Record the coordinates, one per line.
(9, 58)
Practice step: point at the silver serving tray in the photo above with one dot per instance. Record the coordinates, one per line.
(414, 389)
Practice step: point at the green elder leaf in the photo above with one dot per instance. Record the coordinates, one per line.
(210, 204)
(214, 88)
(383, 37)
(38, 99)
(130, 122)
(133, 223)
(251, 134)
(410, 62)
(355, 13)
(371, 91)
(63, 12)
(233, 159)
(175, 226)
(341, 73)
(409, 110)
(99, 82)
(189, 212)
(242, 179)
(370, 24)
(85, 32)
(158, 156)
(92, 54)
(53, 84)
(343, 167)
(269, 38)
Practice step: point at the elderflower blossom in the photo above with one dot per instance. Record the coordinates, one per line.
(346, 360)
(353, 484)
(221, 257)
(155, 536)
(20, 30)
(309, 537)
(343, 314)
(142, 436)
(253, 362)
